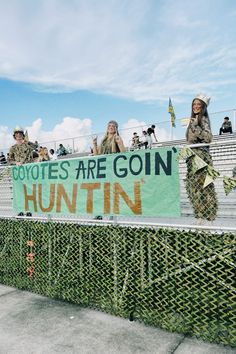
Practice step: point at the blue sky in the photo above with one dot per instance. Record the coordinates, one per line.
(68, 67)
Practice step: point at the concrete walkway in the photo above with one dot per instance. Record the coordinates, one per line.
(33, 324)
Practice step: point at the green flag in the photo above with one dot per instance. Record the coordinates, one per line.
(172, 113)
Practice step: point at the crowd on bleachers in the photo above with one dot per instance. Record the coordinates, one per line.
(24, 151)
(203, 199)
(143, 141)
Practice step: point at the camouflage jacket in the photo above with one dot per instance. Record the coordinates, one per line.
(22, 153)
(199, 133)
(226, 125)
(234, 171)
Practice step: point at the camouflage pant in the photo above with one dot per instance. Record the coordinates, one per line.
(203, 200)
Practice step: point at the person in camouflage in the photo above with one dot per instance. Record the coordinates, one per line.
(21, 152)
(203, 200)
(234, 172)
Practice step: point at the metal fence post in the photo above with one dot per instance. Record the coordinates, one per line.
(235, 119)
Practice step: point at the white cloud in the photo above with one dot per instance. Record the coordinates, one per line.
(140, 50)
(69, 127)
(61, 133)
(6, 138)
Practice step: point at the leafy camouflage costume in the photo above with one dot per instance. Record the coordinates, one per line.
(234, 171)
(22, 153)
(203, 200)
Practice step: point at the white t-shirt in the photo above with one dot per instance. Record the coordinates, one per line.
(53, 157)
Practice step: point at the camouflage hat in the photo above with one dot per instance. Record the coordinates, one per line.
(18, 129)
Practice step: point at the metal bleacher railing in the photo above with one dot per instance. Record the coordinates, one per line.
(223, 151)
(164, 132)
(80, 145)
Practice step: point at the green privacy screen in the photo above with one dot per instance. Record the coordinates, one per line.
(180, 280)
(144, 183)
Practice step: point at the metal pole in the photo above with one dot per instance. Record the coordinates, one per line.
(235, 120)
(73, 146)
(171, 132)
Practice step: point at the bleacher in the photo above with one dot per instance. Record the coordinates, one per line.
(223, 151)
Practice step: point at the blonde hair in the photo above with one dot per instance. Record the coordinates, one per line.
(108, 142)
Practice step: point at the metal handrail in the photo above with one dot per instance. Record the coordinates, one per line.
(55, 142)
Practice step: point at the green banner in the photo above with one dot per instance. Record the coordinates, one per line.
(144, 182)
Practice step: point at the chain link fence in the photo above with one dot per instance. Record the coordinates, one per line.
(183, 281)
(164, 272)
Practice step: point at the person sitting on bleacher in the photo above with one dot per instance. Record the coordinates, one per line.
(144, 139)
(43, 155)
(234, 173)
(3, 160)
(61, 151)
(52, 154)
(136, 143)
(226, 126)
